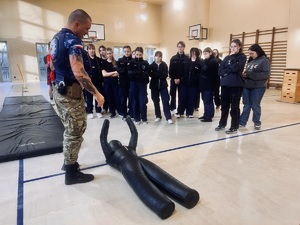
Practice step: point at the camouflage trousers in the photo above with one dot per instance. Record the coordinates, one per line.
(73, 116)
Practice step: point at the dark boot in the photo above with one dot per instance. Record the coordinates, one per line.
(74, 176)
(64, 166)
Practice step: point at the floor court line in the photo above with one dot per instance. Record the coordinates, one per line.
(21, 181)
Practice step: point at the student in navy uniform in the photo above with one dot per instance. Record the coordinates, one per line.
(103, 58)
(92, 67)
(232, 83)
(189, 85)
(159, 86)
(111, 86)
(217, 97)
(197, 103)
(176, 70)
(138, 72)
(124, 81)
(67, 52)
(208, 80)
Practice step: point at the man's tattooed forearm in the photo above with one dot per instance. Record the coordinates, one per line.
(87, 84)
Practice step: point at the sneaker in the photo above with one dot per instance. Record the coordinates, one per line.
(145, 122)
(170, 121)
(99, 115)
(219, 128)
(201, 118)
(257, 126)
(231, 131)
(103, 111)
(157, 119)
(137, 122)
(90, 116)
(206, 120)
(173, 112)
(113, 116)
(177, 115)
(190, 116)
(242, 126)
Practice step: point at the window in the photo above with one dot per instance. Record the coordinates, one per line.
(4, 62)
(149, 56)
(118, 52)
(42, 51)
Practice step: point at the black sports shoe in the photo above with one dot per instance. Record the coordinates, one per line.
(231, 131)
(257, 126)
(219, 128)
(201, 118)
(206, 120)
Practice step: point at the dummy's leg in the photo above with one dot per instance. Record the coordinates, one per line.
(174, 188)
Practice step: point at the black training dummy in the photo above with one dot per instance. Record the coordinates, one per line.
(146, 179)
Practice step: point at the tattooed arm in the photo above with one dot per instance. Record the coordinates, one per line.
(83, 78)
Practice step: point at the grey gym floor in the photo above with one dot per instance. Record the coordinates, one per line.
(252, 177)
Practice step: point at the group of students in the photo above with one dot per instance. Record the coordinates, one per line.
(124, 82)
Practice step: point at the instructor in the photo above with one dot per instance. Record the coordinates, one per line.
(71, 77)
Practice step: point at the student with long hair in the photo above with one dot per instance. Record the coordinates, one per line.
(256, 77)
(189, 85)
(232, 83)
(217, 97)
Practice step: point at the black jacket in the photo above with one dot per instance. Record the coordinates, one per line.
(93, 68)
(158, 74)
(138, 70)
(209, 74)
(231, 70)
(192, 73)
(177, 66)
(122, 68)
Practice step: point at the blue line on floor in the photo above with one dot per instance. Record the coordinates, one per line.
(20, 204)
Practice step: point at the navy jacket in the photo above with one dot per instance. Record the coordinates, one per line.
(158, 74)
(231, 70)
(138, 70)
(209, 74)
(192, 73)
(122, 68)
(177, 66)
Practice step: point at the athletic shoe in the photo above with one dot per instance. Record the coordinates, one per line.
(145, 122)
(242, 126)
(189, 116)
(257, 126)
(177, 115)
(173, 112)
(137, 122)
(103, 111)
(206, 120)
(90, 116)
(157, 119)
(99, 115)
(219, 128)
(170, 121)
(201, 118)
(231, 131)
